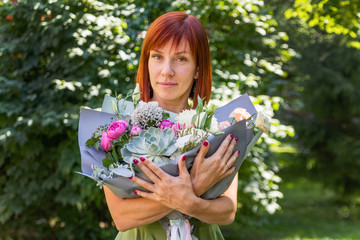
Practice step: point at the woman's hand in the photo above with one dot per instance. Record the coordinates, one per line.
(206, 172)
(174, 192)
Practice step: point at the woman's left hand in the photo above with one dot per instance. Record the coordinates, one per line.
(174, 192)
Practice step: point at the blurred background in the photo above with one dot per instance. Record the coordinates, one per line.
(298, 59)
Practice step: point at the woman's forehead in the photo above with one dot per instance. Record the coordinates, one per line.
(181, 46)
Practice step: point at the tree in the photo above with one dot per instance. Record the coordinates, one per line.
(56, 56)
(322, 90)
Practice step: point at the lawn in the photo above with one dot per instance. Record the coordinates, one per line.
(309, 210)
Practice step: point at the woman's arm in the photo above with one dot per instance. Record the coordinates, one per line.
(130, 213)
(177, 193)
(133, 212)
(221, 210)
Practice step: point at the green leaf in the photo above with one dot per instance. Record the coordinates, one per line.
(106, 162)
(194, 119)
(114, 154)
(165, 115)
(109, 155)
(199, 107)
(203, 122)
(115, 107)
(91, 142)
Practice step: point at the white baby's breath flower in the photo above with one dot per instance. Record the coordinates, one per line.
(262, 122)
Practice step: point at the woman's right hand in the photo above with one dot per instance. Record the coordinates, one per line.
(206, 172)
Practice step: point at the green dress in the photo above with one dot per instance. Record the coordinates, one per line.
(155, 231)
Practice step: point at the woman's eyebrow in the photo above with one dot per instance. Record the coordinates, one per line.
(177, 53)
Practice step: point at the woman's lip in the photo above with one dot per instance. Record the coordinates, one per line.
(167, 84)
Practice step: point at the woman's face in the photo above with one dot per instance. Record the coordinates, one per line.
(172, 72)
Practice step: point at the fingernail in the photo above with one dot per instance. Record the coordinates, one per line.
(231, 135)
(235, 169)
(206, 143)
(238, 152)
(236, 139)
(135, 192)
(131, 177)
(183, 157)
(142, 159)
(136, 161)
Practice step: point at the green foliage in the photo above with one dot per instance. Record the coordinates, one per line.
(328, 126)
(56, 56)
(340, 17)
(322, 94)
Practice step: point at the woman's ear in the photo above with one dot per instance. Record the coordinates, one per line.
(196, 76)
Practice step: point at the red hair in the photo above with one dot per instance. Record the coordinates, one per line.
(177, 26)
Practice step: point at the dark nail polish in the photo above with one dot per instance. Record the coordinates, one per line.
(231, 135)
(136, 161)
(238, 152)
(135, 192)
(131, 177)
(206, 143)
(236, 139)
(142, 159)
(183, 158)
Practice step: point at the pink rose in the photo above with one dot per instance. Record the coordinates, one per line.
(223, 125)
(117, 128)
(165, 123)
(135, 130)
(106, 142)
(240, 114)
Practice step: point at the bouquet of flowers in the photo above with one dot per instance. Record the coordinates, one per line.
(110, 140)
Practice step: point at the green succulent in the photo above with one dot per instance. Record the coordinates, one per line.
(153, 144)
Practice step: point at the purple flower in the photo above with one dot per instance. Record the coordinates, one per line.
(165, 123)
(117, 128)
(135, 130)
(106, 142)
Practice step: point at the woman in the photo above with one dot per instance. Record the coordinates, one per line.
(175, 65)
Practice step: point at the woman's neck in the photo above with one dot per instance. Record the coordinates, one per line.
(172, 107)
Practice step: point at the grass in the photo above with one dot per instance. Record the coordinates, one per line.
(309, 211)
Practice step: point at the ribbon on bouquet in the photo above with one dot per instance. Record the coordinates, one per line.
(177, 227)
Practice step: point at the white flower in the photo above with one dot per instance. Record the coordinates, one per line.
(147, 115)
(184, 118)
(262, 122)
(181, 141)
(214, 125)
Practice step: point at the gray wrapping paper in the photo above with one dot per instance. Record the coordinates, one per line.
(123, 187)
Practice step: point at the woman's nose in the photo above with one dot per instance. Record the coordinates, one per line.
(167, 70)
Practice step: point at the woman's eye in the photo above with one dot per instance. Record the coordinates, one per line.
(157, 57)
(181, 59)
